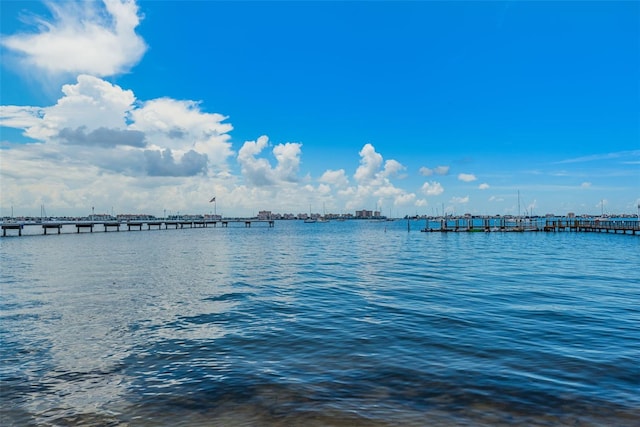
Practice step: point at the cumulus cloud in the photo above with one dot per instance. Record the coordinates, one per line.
(90, 104)
(440, 170)
(392, 168)
(404, 199)
(432, 188)
(288, 158)
(259, 171)
(370, 162)
(337, 178)
(100, 124)
(82, 37)
(467, 177)
(483, 186)
(585, 184)
(373, 180)
(181, 126)
(255, 170)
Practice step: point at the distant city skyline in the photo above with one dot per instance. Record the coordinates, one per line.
(410, 108)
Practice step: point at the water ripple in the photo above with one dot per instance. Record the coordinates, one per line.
(346, 324)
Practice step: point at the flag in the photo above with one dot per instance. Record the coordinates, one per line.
(212, 200)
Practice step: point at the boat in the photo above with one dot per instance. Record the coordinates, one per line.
(323, 218)
(310, 219)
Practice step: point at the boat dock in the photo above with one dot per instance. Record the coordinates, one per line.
(616, 226)
(105, 226)
(594, 225)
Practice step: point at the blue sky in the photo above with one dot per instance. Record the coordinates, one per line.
(405, 106)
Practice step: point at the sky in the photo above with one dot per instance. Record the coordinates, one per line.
(156, 107)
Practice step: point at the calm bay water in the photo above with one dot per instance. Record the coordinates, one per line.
(340, 324)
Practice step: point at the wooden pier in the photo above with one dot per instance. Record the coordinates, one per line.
(130, 225)
(56, 225)
(12, 226)
(88, 225)
(593, 225)
(108, 225)
(616, 226)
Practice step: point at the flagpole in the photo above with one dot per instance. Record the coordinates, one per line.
(215, 205)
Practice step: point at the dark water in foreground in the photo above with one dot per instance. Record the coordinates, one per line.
(338, 324)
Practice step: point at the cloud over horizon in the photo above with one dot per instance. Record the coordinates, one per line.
(98, 129)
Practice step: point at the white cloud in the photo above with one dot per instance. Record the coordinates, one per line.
(467, 177)
(90, 104)
(585, 185)
(373, 181)
(440, 170)
(405, 199)
(288, 157)
(460, 200)
(392, 167)
(432, 188)
(370, 162)
(483, 186)
(82, 37)
(337, 178)
(101, 124)
(181, 126)
(258, 171)
(96, 146)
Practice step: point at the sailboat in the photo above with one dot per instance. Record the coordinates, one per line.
(323, 218)
(309, 219)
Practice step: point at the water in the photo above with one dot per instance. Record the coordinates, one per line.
(350, 323)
